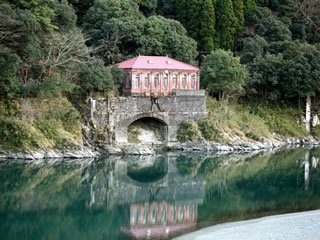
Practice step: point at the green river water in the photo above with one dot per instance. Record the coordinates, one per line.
(155, 197)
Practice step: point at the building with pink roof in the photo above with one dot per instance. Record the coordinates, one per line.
(152, 75)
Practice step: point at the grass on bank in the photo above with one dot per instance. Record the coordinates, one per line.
(39, 123)
(232, 121)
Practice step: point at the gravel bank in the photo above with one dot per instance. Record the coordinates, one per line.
(296, 226)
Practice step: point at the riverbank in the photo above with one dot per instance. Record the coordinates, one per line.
(294, 226)
(81, 152)
(201, 145)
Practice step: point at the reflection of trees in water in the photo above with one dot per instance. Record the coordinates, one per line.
(47, 200)
(262, 185)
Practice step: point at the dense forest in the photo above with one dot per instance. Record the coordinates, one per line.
(254, 50)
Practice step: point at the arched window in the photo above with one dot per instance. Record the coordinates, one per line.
(146, 81)
(165, 81)
(174, 81)
(184, 81)
(156, 80)
(193, 81)
(138, 80)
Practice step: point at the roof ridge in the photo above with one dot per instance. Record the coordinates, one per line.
(136, 59)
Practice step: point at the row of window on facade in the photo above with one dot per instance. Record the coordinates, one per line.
(165, 81)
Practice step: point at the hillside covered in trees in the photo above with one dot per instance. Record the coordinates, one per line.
(259, 52)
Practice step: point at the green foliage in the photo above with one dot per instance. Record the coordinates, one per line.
(50, 87)
(167, 8)
(226, 24)
(273, 30)
(163, 36)
(95, 77)
(117, 77)
(188, 131)
(9, 78)
(290, 70)
(198, 17)
(42, 10)
(65, 17)
(81, 7)
(17, 26)
(253, 47)
(148, 7)
(249, 4)
(223, 74)
(256, 14)
(121, 38)
(104, 10)
(239, 8)
(265, 72)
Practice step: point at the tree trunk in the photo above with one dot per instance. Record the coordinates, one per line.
(308, 113)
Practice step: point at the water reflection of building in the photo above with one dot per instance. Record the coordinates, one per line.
(159, 207)
(160, 219)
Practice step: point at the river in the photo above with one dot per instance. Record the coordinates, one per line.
(154, 197)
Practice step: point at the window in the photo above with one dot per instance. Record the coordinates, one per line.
(156, 81)
(165, 81)
(193, 81)
(184, 81)
(146, 81)
(138, 80)
(175, 81)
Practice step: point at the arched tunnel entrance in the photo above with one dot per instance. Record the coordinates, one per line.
(147, 130)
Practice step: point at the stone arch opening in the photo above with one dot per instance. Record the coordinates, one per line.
(147, 130)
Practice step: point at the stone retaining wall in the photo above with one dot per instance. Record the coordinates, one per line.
(112, 116)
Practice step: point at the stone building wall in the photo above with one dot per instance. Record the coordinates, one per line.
(114, 115)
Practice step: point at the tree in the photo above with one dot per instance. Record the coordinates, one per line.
(117, 77)
(253, 47)
(17, 27)
(104, 10)
(66, 17)
(256, 14)
(122, 38)
(225, 24)
(9, 78)
(238, 8)
(273, 30)
(42, 10)
(223, 74)
(63, 48)
(167, 8)
(148, 7)
(198, 17)
(95, 77)
(163, 36)
(248, 5)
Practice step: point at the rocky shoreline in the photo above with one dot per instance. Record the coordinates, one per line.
(83, 152)
(199, 145)
(202, 145)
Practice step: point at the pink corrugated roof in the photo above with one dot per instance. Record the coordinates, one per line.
(154, 62)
